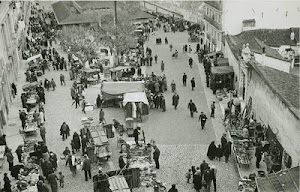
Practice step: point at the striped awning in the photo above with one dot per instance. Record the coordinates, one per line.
(118, 184)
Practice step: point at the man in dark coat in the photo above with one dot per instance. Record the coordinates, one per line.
(208, 178)
(191, 62)
(193, 84)
(212, 151)
(258, 155)
(122, 163)
(99, 101)
(156, 155)
(136, 135)
(203, 166)
(173, 188)
(64, 131)
(175, 100)
(87, 167)
(192, 107)
(202, 119)
(184, 77)
(84, 142)
(52, 179)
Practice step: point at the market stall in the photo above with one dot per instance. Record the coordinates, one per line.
(98, 145)
(221, 77)
(112, 92)
(136, 105)
(31, 126)
(92, 76)
(284, 180)
(118, 184)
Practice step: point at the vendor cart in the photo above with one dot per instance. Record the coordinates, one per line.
(99, 143)
(221, 77)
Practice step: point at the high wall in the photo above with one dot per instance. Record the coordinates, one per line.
(273, 63)
(270, 110)
(232, 62)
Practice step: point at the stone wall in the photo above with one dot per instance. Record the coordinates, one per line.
(270, 110)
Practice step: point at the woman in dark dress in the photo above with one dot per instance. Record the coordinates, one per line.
(197, 180)
(76, 141)
(212, 151)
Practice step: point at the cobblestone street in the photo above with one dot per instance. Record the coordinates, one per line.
(178, 136)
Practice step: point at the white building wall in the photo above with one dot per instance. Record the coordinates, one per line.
(273, 63)
(234, 63)
(267, 14)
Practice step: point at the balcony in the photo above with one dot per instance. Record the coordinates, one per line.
(213, 22)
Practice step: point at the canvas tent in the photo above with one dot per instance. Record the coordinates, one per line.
(135, 97)
(116, 90)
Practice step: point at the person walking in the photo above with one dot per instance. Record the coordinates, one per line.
(166, 40)
(184, 77)
(101, 116)
(62, 79)
(213, 170)
(64, 131)
(171, 47)
(212, 151)
(155, 59)
(76, 100)
(163, 103)
(162, 66)
(14, 88)
(76, 140)
(173, 86)
(175, 100)
(99, 101)
(53, 84)
(212, 109)
(43, 132)
(87, 167)
(202, 119)
(19, 152)
(61, 179)
(52, 179)
(173, 188)
(156, 155)
(192, 107)
(84, 142)
(207, 178)
(191, 62)
(83, 106)
(10, 158)
(197, 180)
(258, 155)
(193, 84)
(203, 166)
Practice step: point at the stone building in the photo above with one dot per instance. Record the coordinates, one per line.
(275, 104)
(264, 45)
(11, 13)
(212, 17)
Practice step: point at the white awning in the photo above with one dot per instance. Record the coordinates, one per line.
(33, 58)
(135, 97)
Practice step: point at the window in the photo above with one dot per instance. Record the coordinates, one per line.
(206, 10)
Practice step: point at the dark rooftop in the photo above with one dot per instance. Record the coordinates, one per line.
(256, 45)
(275, 37)
(285, 85)
(215, 4)
(61, 11)
(95, 4)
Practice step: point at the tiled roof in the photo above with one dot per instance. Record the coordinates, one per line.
(215, 4)
(285, 85)
(61, 11)
(139, 14)
(255, 44)
(65, 16)
(275, 37)
(95, 4)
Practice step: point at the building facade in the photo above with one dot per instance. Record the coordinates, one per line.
(275, 103)
(212, 17)
(10, 38)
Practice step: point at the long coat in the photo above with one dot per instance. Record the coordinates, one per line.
(212, 151)
(175, 100)
(162, 66)
(76, 141)
(52, 179)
